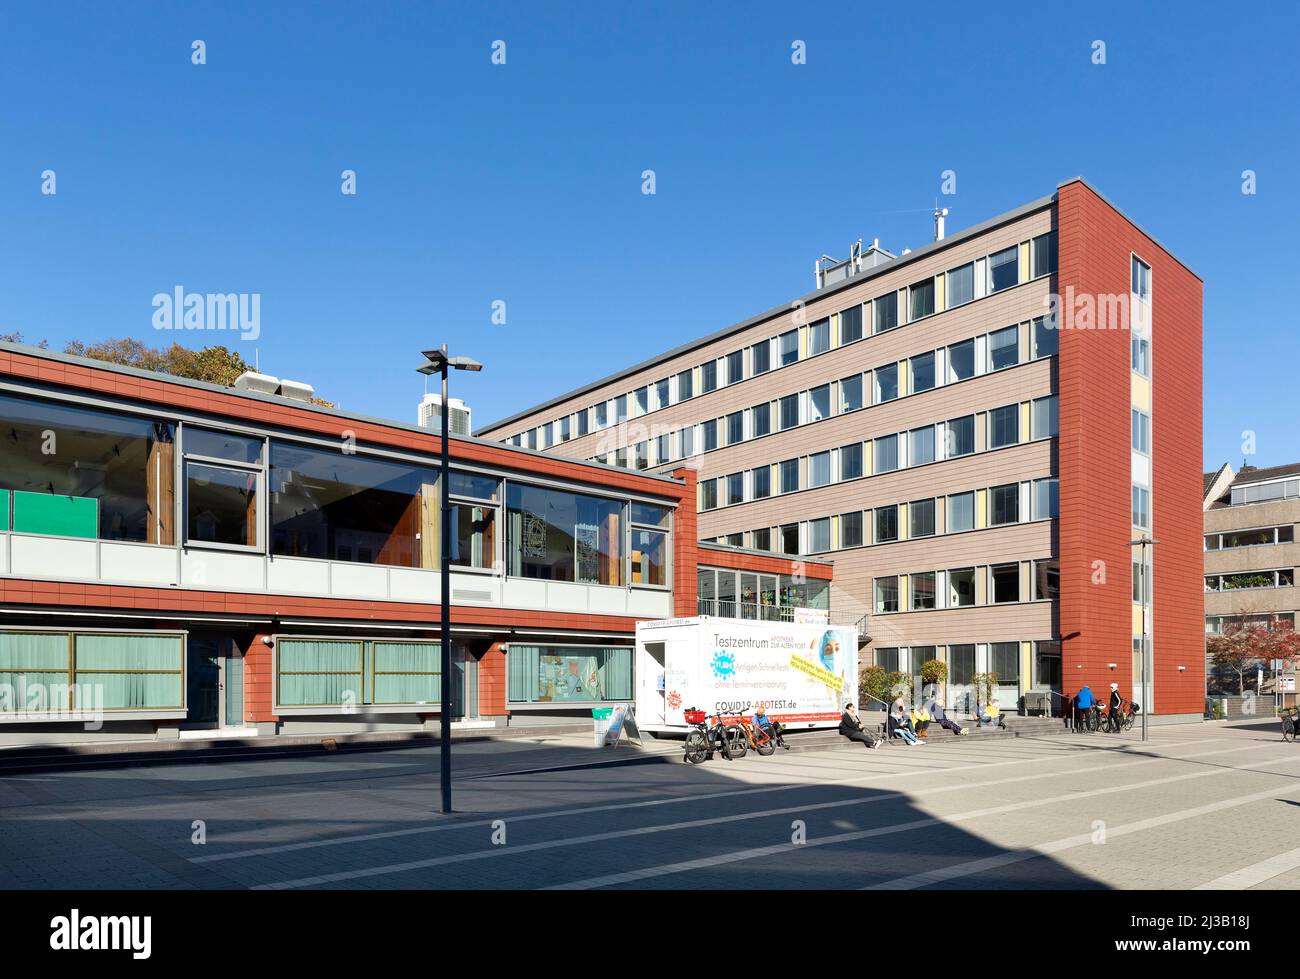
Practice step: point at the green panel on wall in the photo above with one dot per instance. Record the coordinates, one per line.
(66, 516)
(4, 509)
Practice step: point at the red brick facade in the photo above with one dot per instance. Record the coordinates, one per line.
(1095, 468)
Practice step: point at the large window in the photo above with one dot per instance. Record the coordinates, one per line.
(567, 674)
(735, 427)
(1004, 582)
(1004, 504)
(960, 512)
(223, 480)
(735, 367)
(922, 590)
(1140, 359)
(1004, 426)
(886, 454)
(920, 518)
(340, 507)
(819, 535)
(1043, 255)
(961, 587)
(851, 529)
(735, 484)
(761, 482)
(1141, 283)
(649, 544)
(886, 382)
(887, 594)
(709, 434)
(347, 673)
(685, 387)
(961, 361)
(708, 376)
(789, 475)
(819, 337)
(1141, 432)
(851, 325)
(959, 437)
(1004, 269)
(760, 420)
(920, 446)
(922, 372)
(886, 518)
(961, 286)
(789, 408)
(885, 312)
(1046, 499)
(1047, 580)
(561, 536)
(1004, 660)
(1004, 348)
(74, 472)
(475, 501)
(921, 300)
(851, 461)
(819, 469)
(760, 358)
(788, 347)
(1141, 507)
(851, 393)
(59, 672)
(1043, 419)
(819, 403)
(1046, 337)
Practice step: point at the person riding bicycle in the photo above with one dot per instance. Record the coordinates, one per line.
(1083, 703)
(769, 727)
(1114, 717)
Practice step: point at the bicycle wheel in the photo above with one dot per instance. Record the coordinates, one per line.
(1288, 729)
(1127, 723)
(697, 748)
(764, 744)
(738, 741)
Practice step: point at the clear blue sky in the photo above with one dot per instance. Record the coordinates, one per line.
(522, 182)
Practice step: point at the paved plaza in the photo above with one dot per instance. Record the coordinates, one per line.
(1201, 805)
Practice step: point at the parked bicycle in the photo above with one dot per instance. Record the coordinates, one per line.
(708, 735)
(754, 736)
(1290, 723)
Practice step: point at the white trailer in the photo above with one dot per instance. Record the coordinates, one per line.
(801, 674)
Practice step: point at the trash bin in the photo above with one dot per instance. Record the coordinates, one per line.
(600, 725)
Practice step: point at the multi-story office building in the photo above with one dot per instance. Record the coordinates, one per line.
(180, 556)
(975, 431)
(1251, 554)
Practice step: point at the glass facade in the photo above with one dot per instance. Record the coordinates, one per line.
(561, 536)
(568, 674)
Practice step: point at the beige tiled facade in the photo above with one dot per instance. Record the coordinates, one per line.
(1024, 622)
(1237, 528)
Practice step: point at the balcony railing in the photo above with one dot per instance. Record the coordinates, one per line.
(745, 610)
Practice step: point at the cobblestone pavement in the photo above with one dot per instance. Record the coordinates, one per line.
(1203, 805)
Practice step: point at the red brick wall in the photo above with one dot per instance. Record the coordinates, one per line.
(492, 681)
(259, 680)
(686, 549)
(1095, 469)
(766, 564)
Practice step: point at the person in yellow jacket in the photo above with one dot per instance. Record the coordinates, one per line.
(991, 715)
(920, 720)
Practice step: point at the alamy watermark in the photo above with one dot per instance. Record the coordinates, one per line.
(238, 312)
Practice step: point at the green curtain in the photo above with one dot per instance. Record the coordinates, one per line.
(406, 673)
(21, 651)
(319, 673)
(112, 653)
(521, 673)
(616, 674)
(128, 691)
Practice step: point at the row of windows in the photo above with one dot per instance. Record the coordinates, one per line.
(1287, 489)
(966, 283)
(1284, 534)
(966, 659)
(77, 472)
(934, 368)
(956, 587)
(1281, 578)
(1006, 504)
(1220, 623)
(886, 453)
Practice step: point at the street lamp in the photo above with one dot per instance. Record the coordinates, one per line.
(1148, 594)
(440, 362)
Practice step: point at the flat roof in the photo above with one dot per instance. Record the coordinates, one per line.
(865, 275)
(321, 409)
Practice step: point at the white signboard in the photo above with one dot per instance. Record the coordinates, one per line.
(801, 674)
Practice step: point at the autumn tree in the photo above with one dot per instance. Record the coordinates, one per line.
(217, 364)
(1246, 643)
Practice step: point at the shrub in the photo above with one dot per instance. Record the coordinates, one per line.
(881, 684)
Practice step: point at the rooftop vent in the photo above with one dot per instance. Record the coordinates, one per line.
(266, 384)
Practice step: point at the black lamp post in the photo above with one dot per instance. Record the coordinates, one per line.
(440, 362)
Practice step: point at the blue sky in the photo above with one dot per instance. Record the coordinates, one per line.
(479, 182)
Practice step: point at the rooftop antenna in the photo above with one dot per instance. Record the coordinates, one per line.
(939, 214)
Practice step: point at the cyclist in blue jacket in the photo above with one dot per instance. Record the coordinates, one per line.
(1084, 701)
(765, 723)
